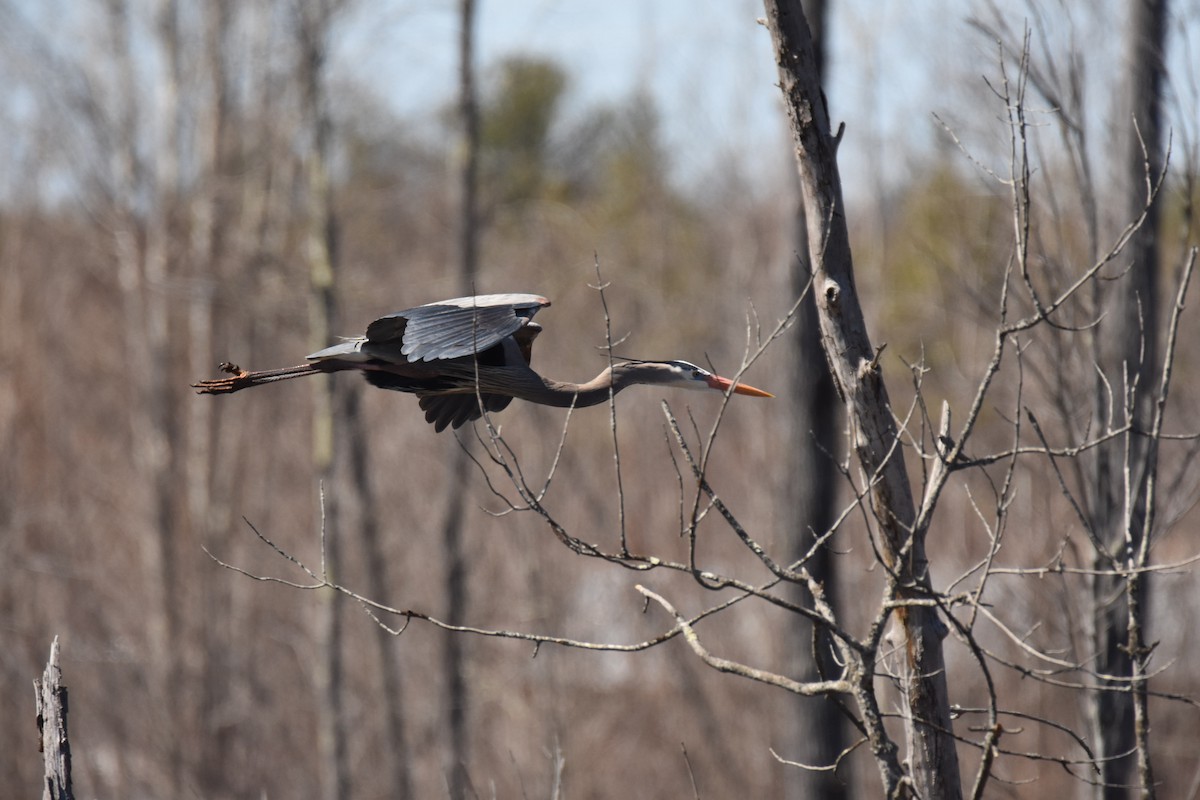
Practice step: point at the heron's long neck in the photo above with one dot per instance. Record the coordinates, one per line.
(549, 392)
(565, 394)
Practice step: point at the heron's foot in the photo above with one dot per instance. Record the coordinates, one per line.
(238, 379)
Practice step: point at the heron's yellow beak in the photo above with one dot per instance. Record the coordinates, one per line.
(742, 388)
(723, 384)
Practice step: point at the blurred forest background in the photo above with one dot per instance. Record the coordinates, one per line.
(174, 176)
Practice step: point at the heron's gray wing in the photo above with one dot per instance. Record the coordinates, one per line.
(454, 410)
(455, 328)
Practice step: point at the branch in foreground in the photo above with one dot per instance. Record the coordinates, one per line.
(373, 606)
(734, 668)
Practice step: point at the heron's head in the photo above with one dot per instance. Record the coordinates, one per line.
(684, 375)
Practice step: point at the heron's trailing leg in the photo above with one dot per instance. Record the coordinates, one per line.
(242, 379)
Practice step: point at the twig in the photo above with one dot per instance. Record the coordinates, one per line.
(724, 665)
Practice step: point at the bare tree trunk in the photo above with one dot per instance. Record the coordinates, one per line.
(392, 700)
(209, 223)
(51, 705)
(314, 20)
(209, 220)
(159, 408)
(819, 728)
(933, 759)
(358, 490)
(1127, 352)
(457, 692)
(143, 193)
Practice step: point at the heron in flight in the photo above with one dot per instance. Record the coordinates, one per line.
(464, 356)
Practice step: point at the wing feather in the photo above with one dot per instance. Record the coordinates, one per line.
(455, 328)
(454, 410)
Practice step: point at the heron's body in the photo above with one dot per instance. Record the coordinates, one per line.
(466, 353)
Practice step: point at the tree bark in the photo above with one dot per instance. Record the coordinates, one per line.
(362, 492)
(1127, 353)
(141, 232)
(208, 224)
(819, 732)
(313, 24)
(457, 690)
(51, 704)
(857, 376)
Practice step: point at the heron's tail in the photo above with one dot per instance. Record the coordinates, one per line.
(239, 378)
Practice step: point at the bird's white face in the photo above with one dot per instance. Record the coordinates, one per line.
(687, 375)
(690, 376)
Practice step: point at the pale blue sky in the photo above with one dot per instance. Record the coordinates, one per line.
(708, 66)
(707, 63)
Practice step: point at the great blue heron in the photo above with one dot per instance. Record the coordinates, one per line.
(458, 354)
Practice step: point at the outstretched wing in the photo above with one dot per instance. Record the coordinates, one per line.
(454, 410)
(455, 328)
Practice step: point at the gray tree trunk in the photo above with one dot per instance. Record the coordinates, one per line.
(932, 758)
(819, 729)
(141, 232)
(210, 221)
(457, 690)
(313, 24)
(361, 492)
(1127, 350)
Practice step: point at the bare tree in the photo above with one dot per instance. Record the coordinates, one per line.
(691, 530)
(454, 548)
(313, 20)
(1124, 366)
(910, 657)
(855, 366)
(1126, 352)
(142, 202)
(821, 732)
